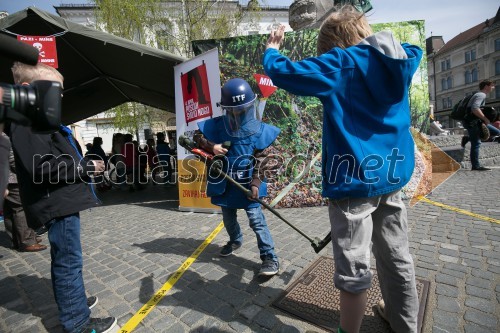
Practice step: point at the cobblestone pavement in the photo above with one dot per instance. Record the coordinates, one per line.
(136, 241)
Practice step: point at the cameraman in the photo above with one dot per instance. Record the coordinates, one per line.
(53, 179)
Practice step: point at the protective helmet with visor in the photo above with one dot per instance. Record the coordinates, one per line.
(238, 104)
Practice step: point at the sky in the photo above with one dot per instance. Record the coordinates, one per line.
(445, 18)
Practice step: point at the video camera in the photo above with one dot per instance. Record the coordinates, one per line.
(37, 105)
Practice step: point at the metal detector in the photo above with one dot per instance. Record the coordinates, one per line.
(316, 243)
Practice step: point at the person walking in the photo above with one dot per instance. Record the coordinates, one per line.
(474, 117)
(54, 187)
(362, 80)
(244, 161)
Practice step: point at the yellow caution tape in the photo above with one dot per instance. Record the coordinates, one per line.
(458, 210)
(144, 311)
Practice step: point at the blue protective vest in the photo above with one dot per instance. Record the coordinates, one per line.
(238, 163)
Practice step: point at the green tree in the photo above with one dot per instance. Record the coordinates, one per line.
(171, 26)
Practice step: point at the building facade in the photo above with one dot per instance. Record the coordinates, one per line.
(457, 67)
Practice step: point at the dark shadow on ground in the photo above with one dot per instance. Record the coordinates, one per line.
(4, 239)
(29, 294)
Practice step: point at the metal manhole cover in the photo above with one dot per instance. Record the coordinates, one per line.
(313, 298)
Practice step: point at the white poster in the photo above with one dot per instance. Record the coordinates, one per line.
(197, 91)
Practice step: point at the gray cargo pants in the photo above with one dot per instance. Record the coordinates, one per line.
(381, 220)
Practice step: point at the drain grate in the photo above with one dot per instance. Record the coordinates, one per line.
(313, 298)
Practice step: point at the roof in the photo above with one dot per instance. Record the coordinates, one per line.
(471, 34)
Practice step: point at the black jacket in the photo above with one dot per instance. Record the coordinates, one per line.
(53, 177)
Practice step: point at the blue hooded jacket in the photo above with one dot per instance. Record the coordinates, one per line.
(368, 149)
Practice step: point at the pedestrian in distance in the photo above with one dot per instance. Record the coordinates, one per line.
(164, 157)
(245, 162)
(153, 162)
(472, 123)
(362, 80)
(54, 186)
(97, 153)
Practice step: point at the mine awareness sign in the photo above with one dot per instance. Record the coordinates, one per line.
(46, 46)
(196, 94)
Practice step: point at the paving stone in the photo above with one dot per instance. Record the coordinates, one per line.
(250, 311)
(480, 304)
(445, 290)
(478, 292)
(445, 321)
(448, 259)
(446, 279)
(481, 319)
(471, 328)
(266, 319)
(478, 282)
(448, 304)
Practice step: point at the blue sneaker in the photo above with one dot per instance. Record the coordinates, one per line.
(228, 249)
(269, 267)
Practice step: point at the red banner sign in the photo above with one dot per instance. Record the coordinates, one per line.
(196, 94)
(266, 86)
(46, 46)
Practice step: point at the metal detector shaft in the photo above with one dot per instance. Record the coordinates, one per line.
(248, 192)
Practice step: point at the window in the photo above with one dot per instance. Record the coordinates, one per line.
(445, 103)
(449, 102)
(467, 77)
(497, 68)
(449, 83)
(445, 64)
(474, 75)
(497, 44)
(470, 55)
(443, 84)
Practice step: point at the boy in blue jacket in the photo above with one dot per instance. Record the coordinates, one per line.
(362, 80)
(245, 162)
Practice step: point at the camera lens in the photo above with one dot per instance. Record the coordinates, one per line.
(24, 98)
(19, 98)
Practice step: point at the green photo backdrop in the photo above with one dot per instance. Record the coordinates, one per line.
(296, 179)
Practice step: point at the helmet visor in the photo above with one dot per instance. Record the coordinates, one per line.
(242, 120)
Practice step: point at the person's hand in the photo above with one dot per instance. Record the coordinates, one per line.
(255, 192)
(6, 193)
(276, 37)
(219, 150)
(99, 166)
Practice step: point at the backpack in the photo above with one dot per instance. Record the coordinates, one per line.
(459, 111)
